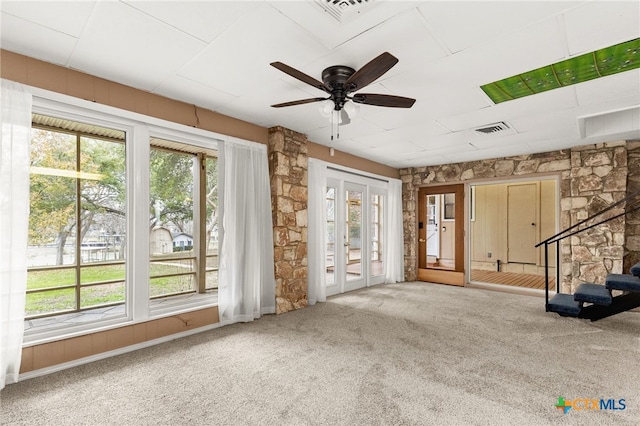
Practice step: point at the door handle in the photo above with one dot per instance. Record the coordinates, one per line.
(422, 240)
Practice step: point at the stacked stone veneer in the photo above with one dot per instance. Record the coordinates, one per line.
(632, 228)
(288, 159)
(591, 177)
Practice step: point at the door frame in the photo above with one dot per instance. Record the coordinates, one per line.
(342, 180)
(457, 275)
(554, 178)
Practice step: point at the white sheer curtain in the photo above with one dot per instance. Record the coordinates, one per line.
(247, 281)
(316, 221)
(14, 222)
(394, 254)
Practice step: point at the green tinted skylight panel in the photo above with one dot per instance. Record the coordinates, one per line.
(608, 61)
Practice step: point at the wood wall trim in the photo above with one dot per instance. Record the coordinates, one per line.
(321, 152)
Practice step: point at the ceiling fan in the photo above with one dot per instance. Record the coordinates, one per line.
(340, 81)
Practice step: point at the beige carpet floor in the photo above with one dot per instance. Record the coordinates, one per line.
(401, 354)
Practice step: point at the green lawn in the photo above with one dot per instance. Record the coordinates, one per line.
(64, 299)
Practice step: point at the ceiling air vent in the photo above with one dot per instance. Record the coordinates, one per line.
(495, 128)
(344, 10)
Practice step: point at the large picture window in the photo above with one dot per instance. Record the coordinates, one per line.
(77, 221)
(86, 263)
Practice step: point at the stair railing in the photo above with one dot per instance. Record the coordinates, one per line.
(633, 199)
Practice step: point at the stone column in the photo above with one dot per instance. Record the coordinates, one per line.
(409, 212)
(288, 159)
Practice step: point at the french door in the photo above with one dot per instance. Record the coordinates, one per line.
(355, 247)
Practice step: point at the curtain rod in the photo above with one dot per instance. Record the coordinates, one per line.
(357, 174)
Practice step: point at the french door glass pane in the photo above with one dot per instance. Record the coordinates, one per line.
(377, 266)
(331, 235)
(353, 235)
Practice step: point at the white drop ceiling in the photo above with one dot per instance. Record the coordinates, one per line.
(216, 55)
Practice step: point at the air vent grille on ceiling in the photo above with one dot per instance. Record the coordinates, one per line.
(344, 10)
(491, 129)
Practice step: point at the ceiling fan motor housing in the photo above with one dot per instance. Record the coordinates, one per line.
(334, 78)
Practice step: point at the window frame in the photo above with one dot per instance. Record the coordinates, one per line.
(137, 128)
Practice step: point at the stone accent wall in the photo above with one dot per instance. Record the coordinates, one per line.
(632, 228)
(599, 179)
(289, 195)
(591, 177)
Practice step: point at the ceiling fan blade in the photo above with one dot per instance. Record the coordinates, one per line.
(371, 71)
(300, 102)
(299, 75)
(383, 100)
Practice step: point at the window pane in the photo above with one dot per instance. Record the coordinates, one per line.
(99, 273)
(77, 212)
(171, 285)
(50, 301)
(51, 278)
(171, 266)
(211, 165)
(377, 267)
(52, 217)
(102, 294)
(102, 191)
(171, 222)
(354, 235)
(331, 236)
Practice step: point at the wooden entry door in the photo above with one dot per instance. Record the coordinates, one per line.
(522, 223)
(441, 216)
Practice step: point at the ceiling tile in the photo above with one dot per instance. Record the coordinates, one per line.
(404, 36)
(601, 24)
(66, 17)
(609, 88)
(204, 20)
(463, 24)
(34, 40)
(127, 46)
(182, 89)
